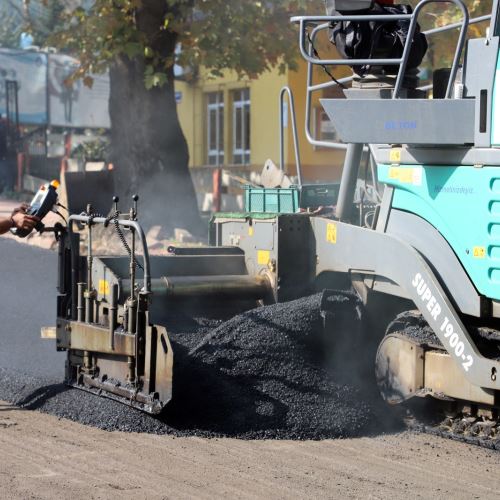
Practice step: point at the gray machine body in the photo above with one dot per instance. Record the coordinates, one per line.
(407, 257)
(365, 119)
(481, 61)
(300, 249)
(402, 121)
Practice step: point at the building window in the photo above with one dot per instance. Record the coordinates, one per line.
(324, 129)
(241, 127)
(215, 128)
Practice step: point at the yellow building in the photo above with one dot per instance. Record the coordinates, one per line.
(234, 124)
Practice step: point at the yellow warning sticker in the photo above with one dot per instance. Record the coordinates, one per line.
(331, 233)
(479, 252)
(263, 257)
(395, 155)
(103, 287)
(406, 175)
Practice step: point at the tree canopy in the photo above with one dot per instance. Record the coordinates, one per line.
(442, 46)
(40, 18)
(247, 36)
(140, 40)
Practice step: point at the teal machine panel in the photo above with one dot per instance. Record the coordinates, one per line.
(463, 204)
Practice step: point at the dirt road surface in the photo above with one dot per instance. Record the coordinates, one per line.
(43, 457)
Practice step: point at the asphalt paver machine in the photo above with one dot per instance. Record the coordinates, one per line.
(418, 239)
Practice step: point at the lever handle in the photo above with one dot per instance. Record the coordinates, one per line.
(135, 199)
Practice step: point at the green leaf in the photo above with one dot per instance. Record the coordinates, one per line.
(132, 49)
(155, 80)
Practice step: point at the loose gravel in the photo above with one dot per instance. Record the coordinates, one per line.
(262, 374)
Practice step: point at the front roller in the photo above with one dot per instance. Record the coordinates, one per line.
(411, 361)
(399, 369)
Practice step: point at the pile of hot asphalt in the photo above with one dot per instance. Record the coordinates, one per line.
(262, 374)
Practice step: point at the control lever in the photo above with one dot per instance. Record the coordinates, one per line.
(44, 201)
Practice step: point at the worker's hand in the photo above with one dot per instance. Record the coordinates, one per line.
(20, 209)
(24, 221)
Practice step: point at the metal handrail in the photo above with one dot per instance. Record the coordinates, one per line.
(287, 90)
(434, 31)
(450, 27)
(458, 52)
(130, 224)
(309, 136)
(319, 23)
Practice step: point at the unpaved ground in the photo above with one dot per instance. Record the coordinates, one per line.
(43, 457)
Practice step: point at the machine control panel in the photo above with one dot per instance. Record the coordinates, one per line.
(42, 203)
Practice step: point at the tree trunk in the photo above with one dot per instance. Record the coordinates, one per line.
(149, 151)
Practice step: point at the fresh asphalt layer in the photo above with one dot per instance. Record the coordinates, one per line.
(258, 375)
(28, 277)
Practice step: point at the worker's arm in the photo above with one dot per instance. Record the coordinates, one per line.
(5, 225)
(19, 219)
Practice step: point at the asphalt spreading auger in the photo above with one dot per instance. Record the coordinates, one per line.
(418, 239)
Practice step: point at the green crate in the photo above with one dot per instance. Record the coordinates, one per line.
(272, 200)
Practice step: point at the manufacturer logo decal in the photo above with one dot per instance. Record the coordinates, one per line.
(442, 325)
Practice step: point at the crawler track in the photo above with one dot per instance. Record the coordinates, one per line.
(447, 418)
(472, 430)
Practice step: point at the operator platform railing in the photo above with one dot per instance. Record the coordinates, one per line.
(321, 23)
(287, 91)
